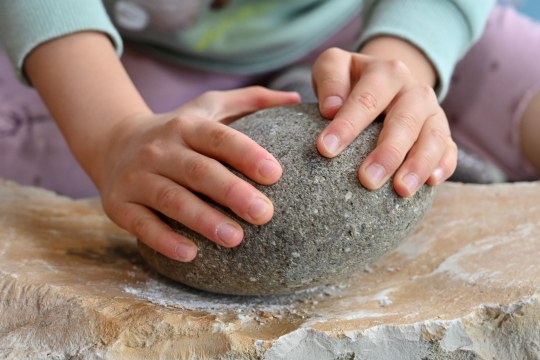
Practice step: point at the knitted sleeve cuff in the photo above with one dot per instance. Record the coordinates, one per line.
(25, 24)
(444, 30)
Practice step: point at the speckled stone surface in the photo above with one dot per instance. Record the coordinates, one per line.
(326, 226)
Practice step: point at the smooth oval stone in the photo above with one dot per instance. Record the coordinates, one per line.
(326, 226)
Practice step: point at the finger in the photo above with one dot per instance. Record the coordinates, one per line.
(446, 166)
(424, 157)
(225, 144)
(209, 177)
(227, 106)
(401, 129)
(370, 97)
(332, 80)
(182, 205)
(148, 228)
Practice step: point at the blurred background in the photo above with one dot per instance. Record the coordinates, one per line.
(529, 7)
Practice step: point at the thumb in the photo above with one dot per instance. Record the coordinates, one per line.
(227, 106)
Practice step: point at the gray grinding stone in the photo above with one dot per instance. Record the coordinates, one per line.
(326, 226)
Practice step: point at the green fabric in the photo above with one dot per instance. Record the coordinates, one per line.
(248, 36)
(24, 24)
(443, 29)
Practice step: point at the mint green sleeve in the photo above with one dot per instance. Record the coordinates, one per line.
(443, 29)
(24, 24)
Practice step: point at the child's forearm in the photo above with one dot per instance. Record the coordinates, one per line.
(87, 91)
(388, 47)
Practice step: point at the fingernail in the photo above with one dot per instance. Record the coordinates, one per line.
(411, 182)
(437, 175)
(267, 168)
(228, 234)
(332, 102)
(375, 174)
(185, 252)
(331, 143)
(258, 209)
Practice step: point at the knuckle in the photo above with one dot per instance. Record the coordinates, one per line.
(220, 136)
(427, 92)
(366, 100)
(256, 93)
(398, 68)
(351, 127)
(452, 146)
(421, 159)
(330, 81)
(256, 97)
(197, 168)
(440, 136)
(332, 52)
(449, 164)
(169, 200)
(208, 96)
(205, 224)
(152, 151)
(406, 122)
(258, 89)
(140, 226)
(232, 189)
(113, 209)
(450, 158)
(129, 180)
(175, 125)
(393, 156)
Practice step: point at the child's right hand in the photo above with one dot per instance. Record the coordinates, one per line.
(161, 162)
(142, 162)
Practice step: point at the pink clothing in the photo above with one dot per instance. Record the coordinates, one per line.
(491, 87)
(32, 150)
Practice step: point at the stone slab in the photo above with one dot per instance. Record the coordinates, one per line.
(464, 285)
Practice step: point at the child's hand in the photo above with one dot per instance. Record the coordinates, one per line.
(161, 162)
(415, 143)
(143, 162)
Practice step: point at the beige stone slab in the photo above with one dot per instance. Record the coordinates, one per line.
(464, 285)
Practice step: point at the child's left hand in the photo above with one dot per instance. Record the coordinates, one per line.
(415, 143)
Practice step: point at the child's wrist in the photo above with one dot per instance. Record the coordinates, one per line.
(394, 48)
(105, 146)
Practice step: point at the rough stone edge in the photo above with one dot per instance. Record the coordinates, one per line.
(61, 324)
(490, 332)
(51, 304)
